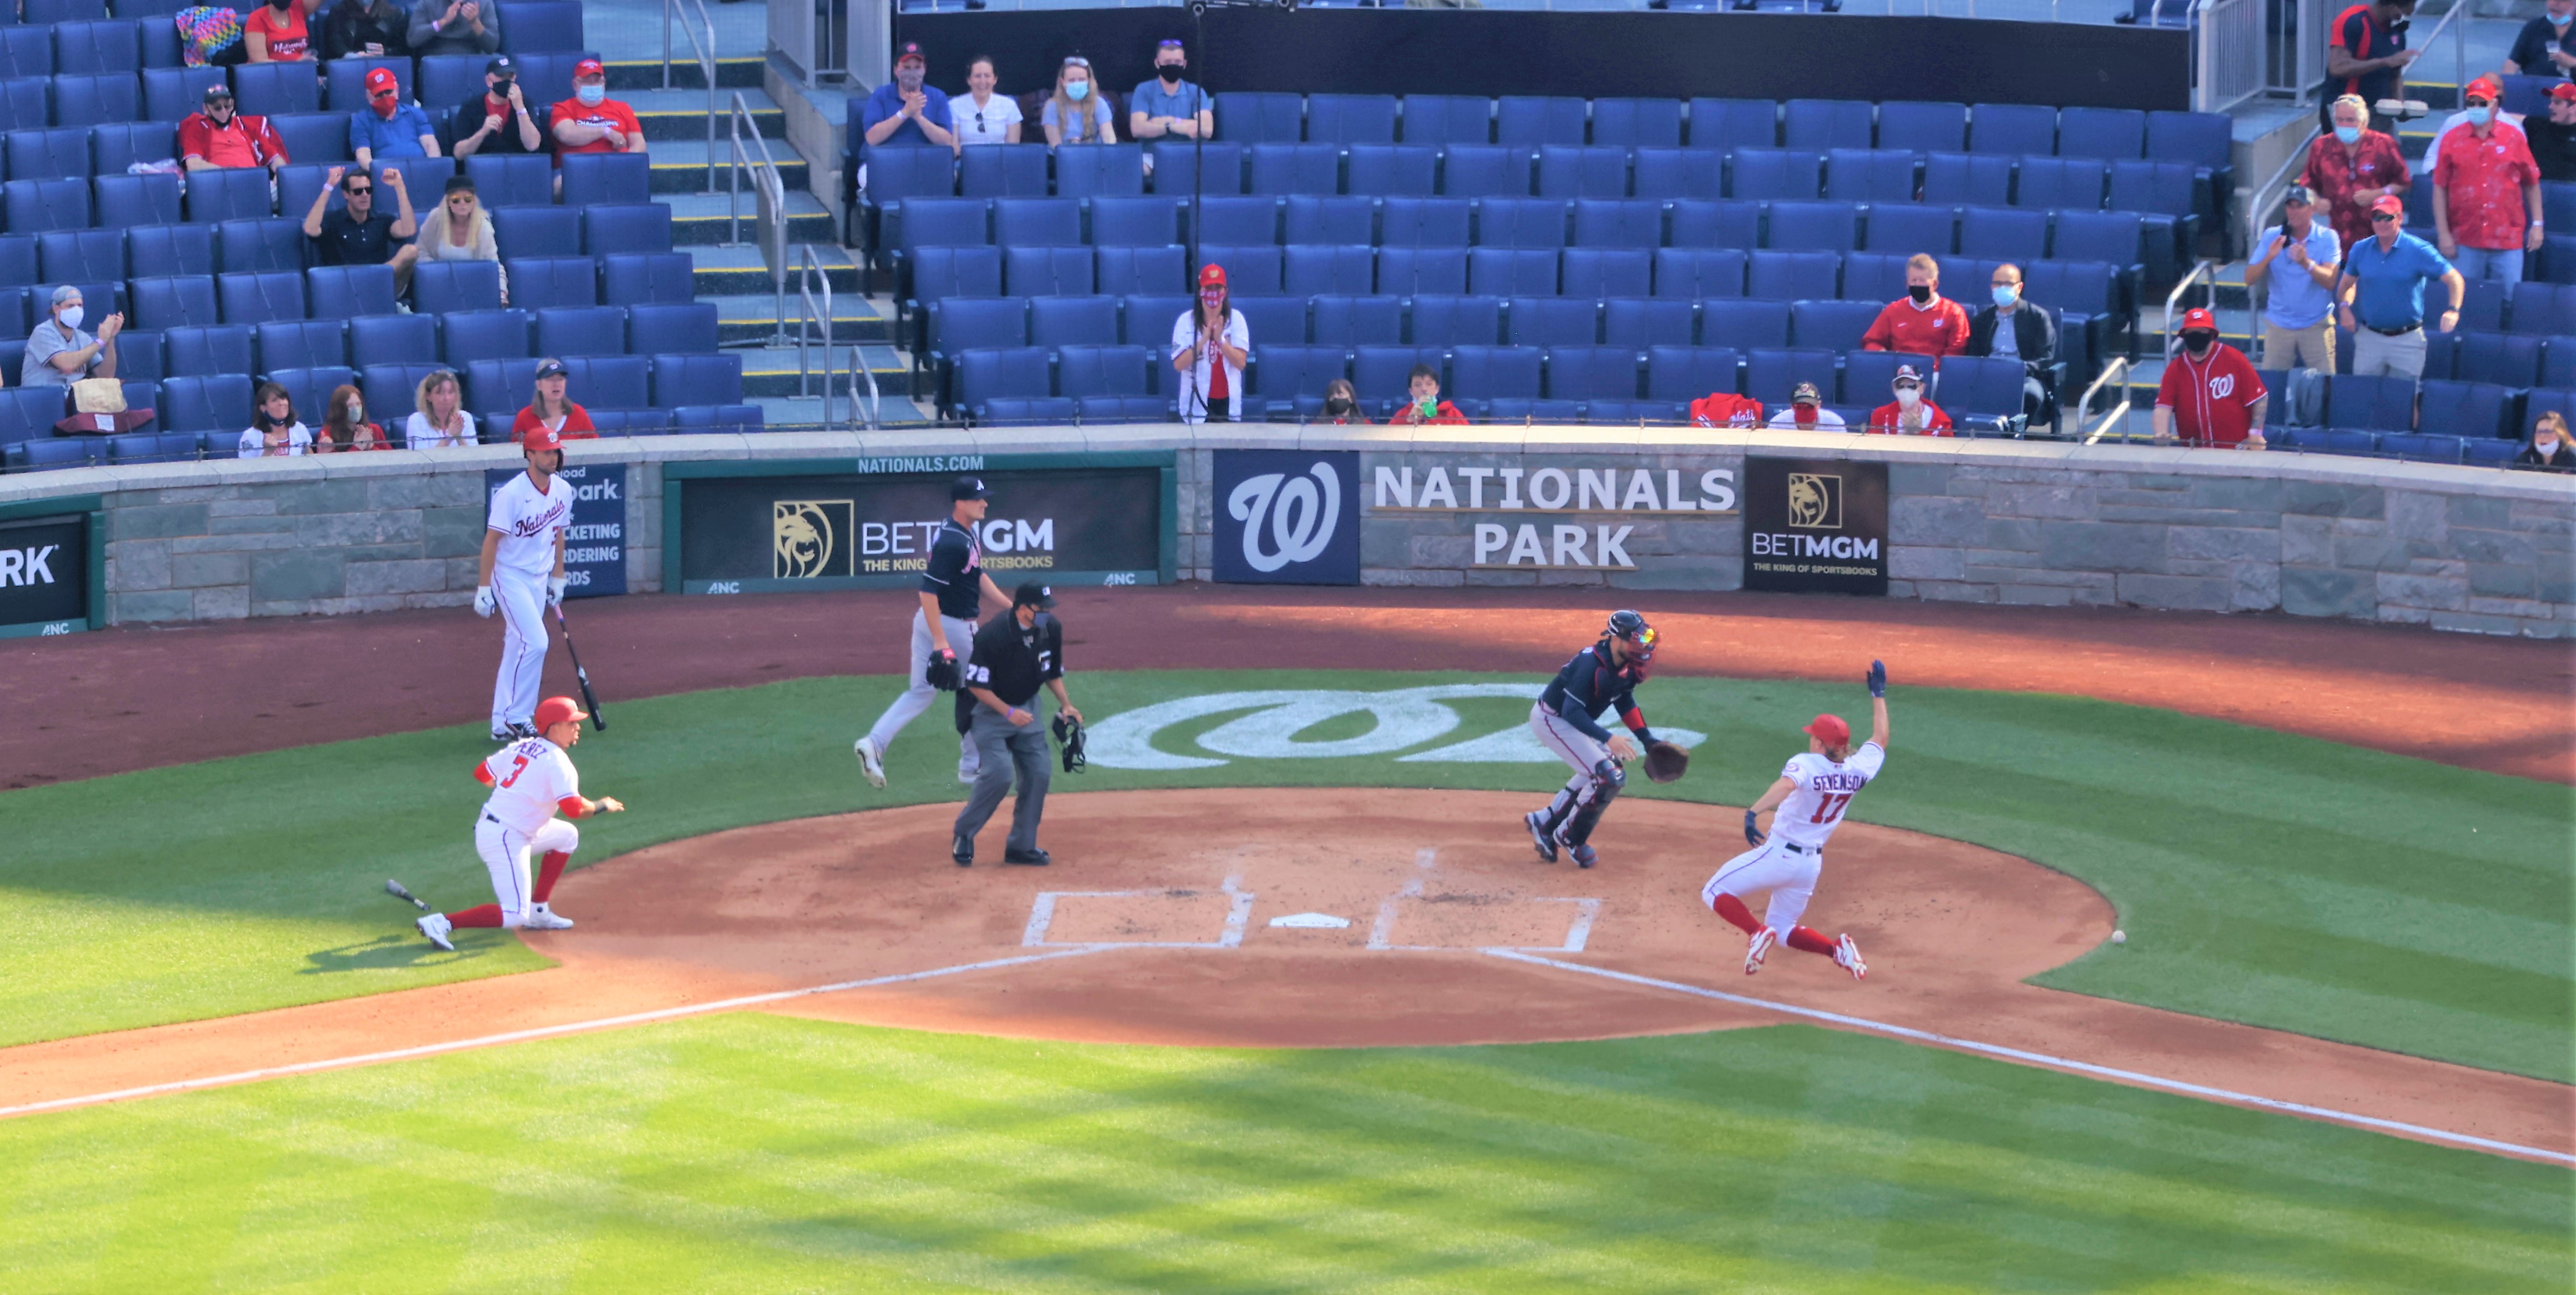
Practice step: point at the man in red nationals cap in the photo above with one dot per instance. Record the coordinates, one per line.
(1210, 342)
(2210, 394)
(590, 121)
(2553, 136)
(2382, 295)
(522, 574)
(532, 779)
(2486, 190)
(1811, 794)
(389, 127)
(1909, 414)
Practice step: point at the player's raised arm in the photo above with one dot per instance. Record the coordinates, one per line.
(1878, 703)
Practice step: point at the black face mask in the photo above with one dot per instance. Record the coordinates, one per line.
(2197, 342)
(1168, 71)
(1920, 292)
(280, 5)
(1338, 406)
(2399, 24)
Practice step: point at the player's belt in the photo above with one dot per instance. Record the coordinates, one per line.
(498, 823)
(1790, 846)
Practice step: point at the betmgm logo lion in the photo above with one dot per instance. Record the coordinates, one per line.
(809, 538)
(1815, 501)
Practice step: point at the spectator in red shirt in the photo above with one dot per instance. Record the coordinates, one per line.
(218, 138)
(2210, 394)
(552, 409)
(1427, 408)
(1342, 403)
(1925, 322)
(1725, 409)
(2486, 191)
(345, 426)
(590, 121)
(276, 32)
(1909, 414)
(2352, 167)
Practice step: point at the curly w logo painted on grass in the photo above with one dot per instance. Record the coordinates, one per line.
(1275, 720)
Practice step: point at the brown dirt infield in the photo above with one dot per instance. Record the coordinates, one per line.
(1950, 930)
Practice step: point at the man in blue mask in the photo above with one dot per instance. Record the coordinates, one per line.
(2013, 328)
(590, 121)
(2546, 46)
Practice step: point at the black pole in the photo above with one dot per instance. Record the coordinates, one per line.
(1198, 200)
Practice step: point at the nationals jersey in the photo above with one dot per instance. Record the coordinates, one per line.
(528, 522)
(530, 781)
(1825, 789)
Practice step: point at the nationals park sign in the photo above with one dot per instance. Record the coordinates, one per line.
(1666, 521)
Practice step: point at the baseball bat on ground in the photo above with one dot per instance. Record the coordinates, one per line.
(589, 699)
(395, 889)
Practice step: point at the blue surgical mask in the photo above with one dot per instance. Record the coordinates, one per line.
(2480, 114)
(1078, 91)
(591, 95)
(2561, 20)
(2006, 294)
(2348, 134)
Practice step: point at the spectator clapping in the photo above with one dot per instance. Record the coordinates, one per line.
(438, 419)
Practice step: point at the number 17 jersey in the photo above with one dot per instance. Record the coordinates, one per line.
(1825, 789)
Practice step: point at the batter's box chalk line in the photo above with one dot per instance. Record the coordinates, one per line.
(1238, 916)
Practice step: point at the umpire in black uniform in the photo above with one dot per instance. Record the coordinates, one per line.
(1014, 655)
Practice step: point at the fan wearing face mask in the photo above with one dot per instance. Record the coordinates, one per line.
(2486, 191)
(2352, 167)
(277, 32)
(2546, 45)
(1169, 105)
(1076, 112)
(590, 121)
(1909, 414)
(1923, 322)
(1342, 403)
(2210, 394)
(2549, 450)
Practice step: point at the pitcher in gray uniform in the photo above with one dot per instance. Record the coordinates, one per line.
(951, 589)
(1015, 655)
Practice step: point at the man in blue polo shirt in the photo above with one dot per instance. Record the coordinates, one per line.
(2297, 259)
(904, 112)
(1168, 105)
(2382, 291)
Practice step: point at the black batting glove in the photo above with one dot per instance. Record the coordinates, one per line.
(1877, 678)
(1752, 835)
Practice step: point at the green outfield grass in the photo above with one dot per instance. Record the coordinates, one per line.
(2266, 878)
(760, 1154)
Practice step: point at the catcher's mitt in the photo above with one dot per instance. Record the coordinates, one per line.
(1665, 761)
(941, 672)
(1068, 738)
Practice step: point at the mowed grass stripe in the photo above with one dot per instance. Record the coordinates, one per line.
(751, 1152)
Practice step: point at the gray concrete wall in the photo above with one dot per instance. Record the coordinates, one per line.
(1982, 521)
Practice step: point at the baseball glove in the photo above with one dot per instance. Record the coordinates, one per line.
(941, 672)
(1665, 761)
(1068, 738)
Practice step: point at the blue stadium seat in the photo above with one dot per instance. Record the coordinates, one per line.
(1384, 170)
(1314, 268)
(1108, 370)
(260, 298)
(493, 388)
(1744, 325)
(1344, 221)
(581, 330)
(312, 137)
(447, 80)
(2543, 400)
(1410, 271)
(49, 154)
(1512, 272)
(471, 336)
(1485, 171)
(632, 227)
(2470, 409)
(1480, 375)
(542, 27)
(1726, 125)
(1128, 271)
(2422, 449)
(1251, 270)
(2544, 310)
(1608, 272)
(204, 352)
(672, 327)
(1339, 320)
(139, 356)
(1101, 171)
(27, 53)
(1528, 121)
(1876, 276)
(2012, 129)
(393, 339)
(1441, 119)
(1641, 322)
(983, 375)
(259, 246)
(1520, 223)
(895, 176)
(124, 200)
(2061, 183)
(64, 452)
(1148, 320)
(1275, 318)
(229, 195)
(213, 402)
(611, 381)
(591, 179)
(1921, 127)
(718, 418)
(1553, 321)
(1833, 325)
(1730, 223)
(340, 291)
(960, 324)
(1815, 125)
(1967, 179)
(81, 255)
(708, 379)
(302, 344)
(175, 302)
(1982, 387)
(1869, 377)
(1815, 226)
(1176, 166)
(309, 389)
(1003, 171)
(2118, 237)
(1072, 321)
(1577, 171)
(392, 391)
(1618, 222)
(538, 282)
(152, 447)
(627, 280)
(1794, 276)
(2111, 134)
(1037, 222)
(1681, 374)
(277, 89)
(1257, 117)
(1425, 222)
(1295, 168)
(1637, 123)
(536, 231)
(1905, 229)
(119, 145)
(2375, 404)
(2003, 233)
(1771, 373)
(1023, 411)
(1693, 272)
(1591, 373)
(1680, 173)
(1236, 221)
(1378, 373)
(171, 94)
(1291, 378)
(1857, 175)
(507, 179)
(2558, 363)
(28, 414)
(1454, 320)
(1768, 174)
(1048, 272)
(2483, 309)
(1135, 221)
(2492, 454)
(547, 77)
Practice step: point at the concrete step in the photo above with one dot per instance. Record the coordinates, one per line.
(740, 271)
(772, 370)
(646, 74)
(706, 219)
(682, 114)
(753, 317)
(790, 413)
(680, 165)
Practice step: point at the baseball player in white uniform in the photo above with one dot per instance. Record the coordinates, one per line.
(953, 585)
(1811, 795)
(531, 780)
(523, 574)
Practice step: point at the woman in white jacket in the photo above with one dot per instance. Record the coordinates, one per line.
(458, 229)
(1210, 342)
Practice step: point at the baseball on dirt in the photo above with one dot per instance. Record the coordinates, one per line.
(2119, 937)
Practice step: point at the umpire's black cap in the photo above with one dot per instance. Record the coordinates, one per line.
(967, 488)
(1031, 593)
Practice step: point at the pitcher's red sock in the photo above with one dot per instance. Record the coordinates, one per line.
(549, 870)
(1806, 937)
(1733, 910)
(482, 915)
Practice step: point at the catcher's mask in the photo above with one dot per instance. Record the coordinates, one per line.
(1640, 637)
(1068, 737)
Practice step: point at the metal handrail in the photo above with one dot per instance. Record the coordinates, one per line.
(773, 185)
(2204, 270)
(810, 271)
(2258, 204)
(706, 64)
(2119, 416)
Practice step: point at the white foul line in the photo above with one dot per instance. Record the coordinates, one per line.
(540, 1032)
(2041, 1058)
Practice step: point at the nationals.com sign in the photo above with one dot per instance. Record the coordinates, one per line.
(1287, 517)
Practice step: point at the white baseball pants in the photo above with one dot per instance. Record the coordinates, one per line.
(1580, 751)
(505, 855)
(523, 646)
(1789, 873)
(917, 696)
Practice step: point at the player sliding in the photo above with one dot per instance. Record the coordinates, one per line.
(530, 780)
(1602, 677)
(1811, 795)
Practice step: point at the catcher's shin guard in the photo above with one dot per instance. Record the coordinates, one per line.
(1607, 781)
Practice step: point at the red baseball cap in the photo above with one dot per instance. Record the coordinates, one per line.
(1828, 729)
(382, 81)
(588, 67)
(2563, 90)
(541, 438)
(2390, 203)
(2485, 85)
(557, 710)
(2199, 319)
(1212, 276)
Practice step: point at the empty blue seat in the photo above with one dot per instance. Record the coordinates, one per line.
(1101, 171)
(594, 179)
(1511, 272)
(2118, 237)
(450, 79)
(64, 452)
(1340, 320)
(1576, 171)
(1254, 117)
(2470, 409)
(1921, 127)
(1591, 373)
(152, 447)
(1450, 319)
(470, 336)
(1905, 229)
(1685, 373)
(171, 94)
(1037, 222)
(2544, 310)
(1148, 320)
(260, 298)
(493, 388)
(1693, 272)
(508, 179)
(581, 330)
(1819, 124)
(1410, 271)
(1726, 125)
(1237, 221)
(275, 89)
(203, 352)
(1520, 223)
(340, 291)
(81, 255)
(124, 200)
(2003, 233)
(672, 327)
(634, 227)
(1641, 322)
(1003, 171)
(697, 380)
(2377, 404)
(1731, 223)
(1349, 269)
(1827, 226)
(393, 339)
(1967, 179)
(631, 279)
(1378, 373)
(1772, 373)
(1438, 119)
(1618, 222)
(2204, 139)
(1833, 325)
(617, 381)
(1177, 172)
(1680, 173)
(1135, 221)
(1291, 377)
(1528, 121)
(1876, 276)
(2012, 129)
(536, 231)
(1982, 387)
(1794, 276)
(140, 356)
(27, 53)
(1250, 271)
(537, 282)
(1637, 123)
(982, 375)
(1389, 169)
(312, 137)
(2061, 183)
(2558, 363)
(1104, 370)
(1343, 221)
(1276, 318)
(719, 418)
(1608, 272)
(49, 154)
(1023, 411)
(1485, 171)
(1744, 325)
(1482, 374)
(1073, 321)
(1553, 321)
(229, 195)
(302, 344)
(1769, 174)
(1425, 222)
(1350, 118)
(119, 145)
(2482, 310)
(1878, 176)
(1127, 271)
(2110, 134)
(1048, 272)
(214, 402)
(542, 27)
(259, 246)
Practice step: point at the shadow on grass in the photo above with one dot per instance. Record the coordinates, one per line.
(384, 953)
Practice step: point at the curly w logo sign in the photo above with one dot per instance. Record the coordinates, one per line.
(1287, 517)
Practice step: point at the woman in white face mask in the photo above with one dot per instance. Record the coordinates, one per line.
(2549, 450)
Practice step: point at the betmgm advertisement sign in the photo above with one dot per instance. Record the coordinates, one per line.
(774, 527)
(1815, 526)
(53, 568)
(595, 535)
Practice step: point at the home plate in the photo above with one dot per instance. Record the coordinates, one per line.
(1312, 921)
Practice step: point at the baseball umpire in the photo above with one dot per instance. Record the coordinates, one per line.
(953, 586)
(1014, 655)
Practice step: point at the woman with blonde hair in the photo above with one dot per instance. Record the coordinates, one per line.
(1076, 114)
(438, 420)
(2549, 450)
(458, 229)
(345, 426)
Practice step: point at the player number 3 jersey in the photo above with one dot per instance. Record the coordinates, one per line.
(530, 781)
(1825, 789)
